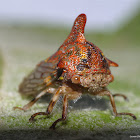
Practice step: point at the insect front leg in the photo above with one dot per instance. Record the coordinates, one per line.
(64, 113)
(107, 93)
(34, 100)
(51, 105)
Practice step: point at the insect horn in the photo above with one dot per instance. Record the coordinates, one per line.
(77, 32)
(111, 63)
(79, 24)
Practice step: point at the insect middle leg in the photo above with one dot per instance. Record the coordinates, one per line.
(50, 107)
(107, 93)
(64, 113)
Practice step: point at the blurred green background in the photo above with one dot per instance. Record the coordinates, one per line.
(22, 46)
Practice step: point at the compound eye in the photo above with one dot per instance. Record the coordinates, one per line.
(75, 79)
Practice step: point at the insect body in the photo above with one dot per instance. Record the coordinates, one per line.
(78, 67)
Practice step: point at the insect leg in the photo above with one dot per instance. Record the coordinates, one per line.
(64, 113)
(50, 107)
(107, 93)
(34, 100)
(122, 95)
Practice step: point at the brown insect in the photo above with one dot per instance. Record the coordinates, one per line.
(78, 67)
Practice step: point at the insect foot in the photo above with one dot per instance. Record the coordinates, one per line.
(130, 114)
(20, 108)
(36, 114)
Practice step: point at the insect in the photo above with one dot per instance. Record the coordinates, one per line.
(78, 67)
